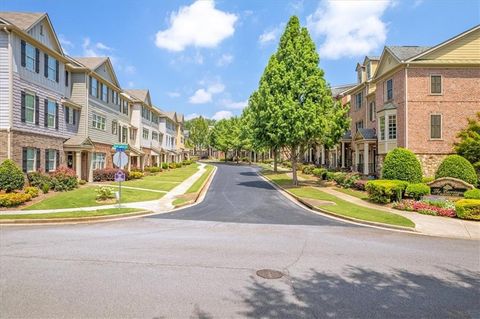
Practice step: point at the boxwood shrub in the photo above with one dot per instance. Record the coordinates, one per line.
(385, 191)
(468, 209)
(458, 167)
(308, 169)
(320, 172)
(417, 190)
(402, 164)
(472, 194)
(11, 176)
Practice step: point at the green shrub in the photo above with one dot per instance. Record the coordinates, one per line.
(468, 209)
(45, 188)
(427, 179)
(153, 169)
(402, 164)
(458, 167)
(346, 180)
(385, 191)
(287, 164)
(417, 191)
(32, 191)
(38, 179)
(164, 165)
(11, 176)
(13, 199)
(472, 194)
(63, 179)
(329, 176)
(172, 165)
(104, 193)
(319, 172)
(136, 175)
(308, 169)
(82, 182)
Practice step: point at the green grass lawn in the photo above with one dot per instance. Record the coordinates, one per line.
(199, 182)
(85, 197)
(281, 179)
(179, 201)
(99, 212)
(166, 180)
(353, 192)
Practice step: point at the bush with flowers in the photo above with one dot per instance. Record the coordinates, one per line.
(435, 207)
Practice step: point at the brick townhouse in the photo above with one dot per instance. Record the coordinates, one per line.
(55, 109)
(411, 96)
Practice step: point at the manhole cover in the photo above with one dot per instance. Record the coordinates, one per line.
(269, 273)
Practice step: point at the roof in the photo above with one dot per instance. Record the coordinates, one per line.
(337, 90)
(171, 115)
(22, 20)
(91, 62)
(79, 141)
(403, 53)
(373, 57)
(140, 94)
(347, 135)
(368, 133)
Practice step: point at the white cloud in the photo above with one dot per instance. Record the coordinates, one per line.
(225, 59)
(131, 84)
(101, 46)
(199, 25)
(191, 116)
(173, 94)
(200, 97)
(268, 36)
(65, 43)
(220, 115)
(216, 88)
(350, 28)
(234, 105)
(417, 3)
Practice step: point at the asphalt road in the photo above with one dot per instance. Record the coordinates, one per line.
(201, 263)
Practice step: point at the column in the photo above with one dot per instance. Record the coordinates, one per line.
(78, 164)
(365, 158)
(343, 154)
(90, 166)
(317, 154)
(357, 157)
(323, 155)
(310, 154)
(336, 156)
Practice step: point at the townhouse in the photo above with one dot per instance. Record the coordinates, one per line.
(413, 97)
(58, 110)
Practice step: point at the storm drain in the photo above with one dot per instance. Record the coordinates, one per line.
(269, 273)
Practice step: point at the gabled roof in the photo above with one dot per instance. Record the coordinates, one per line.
(403, 53)
(140, 94)
(339, 89)
(79, 141)
(172, 116)
(93, 63)
(347, 135)
(373, 57)
(22, 20)
(366, 134)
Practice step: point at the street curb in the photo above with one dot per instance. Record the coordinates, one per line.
(202, 190)
(301, 202)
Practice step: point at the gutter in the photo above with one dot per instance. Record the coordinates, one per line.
(406, 105)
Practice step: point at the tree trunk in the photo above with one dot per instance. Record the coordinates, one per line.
(236, 154)
(275, 164)
(226, 155)
(294, 166)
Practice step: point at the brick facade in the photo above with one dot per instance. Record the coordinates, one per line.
(107, 150)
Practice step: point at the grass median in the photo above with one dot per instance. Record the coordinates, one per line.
(199, 182)
(74, 214)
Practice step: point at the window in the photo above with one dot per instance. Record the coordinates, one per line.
(392, 127)
(31, 159)
(145, 134)
(382, 128)
(372, 111)
(29, 108)
(41, 29)
(52, 69)
(66, 78)
(124, 135)
(133, 133)
(104, 92)
(114, 127)
(51, 160)
(124, 107)
(30, 57)
(69, 115)
(115, 97)
(51, 114)
(436, 126)
(98, 160)
(358, 125)
(359, 75)
(160, 138)
(369, 70)
(93, 87)
(358, 100)
(155, 136)
(436, 84)
(155, 118)
(98, 122)
(389, 90)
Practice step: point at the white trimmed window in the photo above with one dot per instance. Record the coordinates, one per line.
(124, 134)
(51, 114)
(70, 115)
(372, 111)
(29, 108)
(94, 86)
(435, 84)
(388, 90)
(358, 100)
(98, 160)
(392, 127)
(114, 127)
(98, 122)
(52, 160)
(435, 126)
(146, 133)
(104, 92)
(31, 159)
(155, 136)
(30, 57)
(52, 68)
(381, 125)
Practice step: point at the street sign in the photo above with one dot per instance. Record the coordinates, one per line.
(120, 159)
(119, 176)
(120, 147)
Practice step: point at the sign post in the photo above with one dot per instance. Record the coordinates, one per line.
(120, 159)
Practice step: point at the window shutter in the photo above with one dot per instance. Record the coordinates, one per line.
(38, 159)
(74, 116)
(46, 160)
(23, 58)
(45, 65)
(90, 85)
(24, 159)
(57, 71)
(57, 159)
(45, 109)
(22, 110)
(66, 78)
(108, 93)
(56, 116)
(37, 60)
(37, 110)
(67, 114)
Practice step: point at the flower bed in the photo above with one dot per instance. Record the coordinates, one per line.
(435, 207)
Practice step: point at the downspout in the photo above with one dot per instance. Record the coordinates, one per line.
(10, 93)
(406, 105)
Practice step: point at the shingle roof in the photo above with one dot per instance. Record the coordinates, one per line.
(140, 94)
(91, 62)
(405, 52)
(373, 57)
(336, 90)
(22, 20)
(368, 133)
(347, 135)
(171, 115)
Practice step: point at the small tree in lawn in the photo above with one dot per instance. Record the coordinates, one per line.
(221, 136)
(11, 176)
(197, 133)
(469, 144)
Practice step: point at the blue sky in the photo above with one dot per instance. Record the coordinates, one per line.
(205, 57)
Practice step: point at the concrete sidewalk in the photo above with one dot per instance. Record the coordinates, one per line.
(428, 225)
(161, 205)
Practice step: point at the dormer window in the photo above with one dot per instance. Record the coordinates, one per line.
(359, 75)
(369, 71)
(41, 29)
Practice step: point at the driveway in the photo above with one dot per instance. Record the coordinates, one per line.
(201, 262)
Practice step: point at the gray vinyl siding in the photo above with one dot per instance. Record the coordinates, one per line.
(79, 96)
(100, 136)
(4, 81)
(102, 70)
(48, 39)
(20, 85)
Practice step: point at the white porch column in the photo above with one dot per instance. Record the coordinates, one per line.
(357, 157)
(78, 164)
(310, 154)
(336, 156)
(317, 154)
(323, 155)
(365, 158)
(90, 166)
(343, 154)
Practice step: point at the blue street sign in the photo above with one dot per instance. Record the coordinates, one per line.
(119, 176)
(120, 147)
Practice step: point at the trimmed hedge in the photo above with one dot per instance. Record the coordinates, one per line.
(402, 164)
(32, 191)
(153, 169)
(63, 179)
(468, 209)
(417, 191)
(13, 199)
(319, 172)
(458, 167)
(107, 174)
(472, 194)
(308, 169)
(11, 176)
(385, 191)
